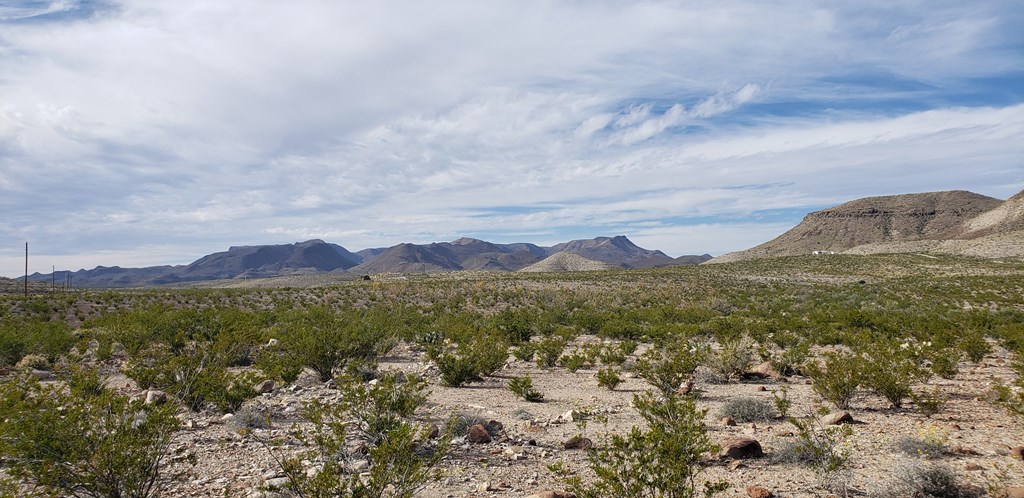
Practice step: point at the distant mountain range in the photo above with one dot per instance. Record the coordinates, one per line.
(953, 222)
(317, 256)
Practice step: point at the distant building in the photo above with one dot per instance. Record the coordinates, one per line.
(820, 252)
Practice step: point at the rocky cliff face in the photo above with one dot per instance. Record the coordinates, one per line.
(878, 222)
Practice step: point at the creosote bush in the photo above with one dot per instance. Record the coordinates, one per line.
(837, 379)
(666, 459)
(523, 387)
(85, 441)
(608, 378)
(669, 366)
(919, 479)
(401, 454)
(747, 409)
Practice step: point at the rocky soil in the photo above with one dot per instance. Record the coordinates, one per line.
(533, 435)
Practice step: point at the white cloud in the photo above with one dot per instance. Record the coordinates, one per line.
(203, 125)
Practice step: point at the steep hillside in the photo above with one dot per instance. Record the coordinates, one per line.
(567, 261)
(411, 258)
(878, 221)
(617, 251)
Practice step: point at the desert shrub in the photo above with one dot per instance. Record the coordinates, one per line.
(195, 375)
(1011, 396)
(837, 379)
(548, 350)
(401, 454)
(326, 341)
(470, 361)
(918, 479)
(944, 362)
(383, 406)
(523, 387)
(822, 449)
(277, 363)
(666, 459)
(734, 357)
(929, 442)
(608, 378)
(929, 402)
(247, 418)
(747, 409)
(889, 369)
(668, 367)
(974, 345)
(782, 401)
(21, 337)
(33, 362)
(524, 351)
(787, 361)
(575, 361)
(79, 444)
(456, 370)
(611, 354)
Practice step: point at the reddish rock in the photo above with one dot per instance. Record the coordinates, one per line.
(759, 492)
(742, 448)
(478, 434)
(1017, 452)
(728, 422)
(971, 466)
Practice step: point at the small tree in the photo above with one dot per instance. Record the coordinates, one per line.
(664, 460)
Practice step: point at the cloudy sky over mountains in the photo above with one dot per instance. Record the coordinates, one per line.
(143, 133)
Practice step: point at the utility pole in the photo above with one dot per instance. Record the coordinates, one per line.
(26, 270)
(53, 278)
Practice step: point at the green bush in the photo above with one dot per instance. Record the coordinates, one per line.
(548, 350)
(889, 369)
(523, 387)
(608, 378)
(401, 454)
(821, 448)
(735, 357)
(837, 379)
(195, 375)
(746, 409)
(326, 341)
(669, 366)
(665, 459)
(83, 443)
(576, 361)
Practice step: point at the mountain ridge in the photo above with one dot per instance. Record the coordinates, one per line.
(318, 256)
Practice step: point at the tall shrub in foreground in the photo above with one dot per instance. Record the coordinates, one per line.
(84, 441)
(664, 460)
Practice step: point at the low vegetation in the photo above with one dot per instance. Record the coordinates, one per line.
(882, 332)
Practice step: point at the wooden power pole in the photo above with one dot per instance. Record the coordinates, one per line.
(26, 269)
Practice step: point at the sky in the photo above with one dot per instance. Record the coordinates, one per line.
(153, 132)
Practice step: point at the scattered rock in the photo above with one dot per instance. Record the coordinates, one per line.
(569, 416)
(764, 371)
(741, 447)
(155, 397)
(478, 434)
(686, 388)
(758, 492)
(837, 418)
(264, 387)
(552, 494)
(1017, 452)
(971, 466)
(42, 374)
(273, 342)
(578, 443)
(728, 422)
(1012, 492)
(486, 486)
